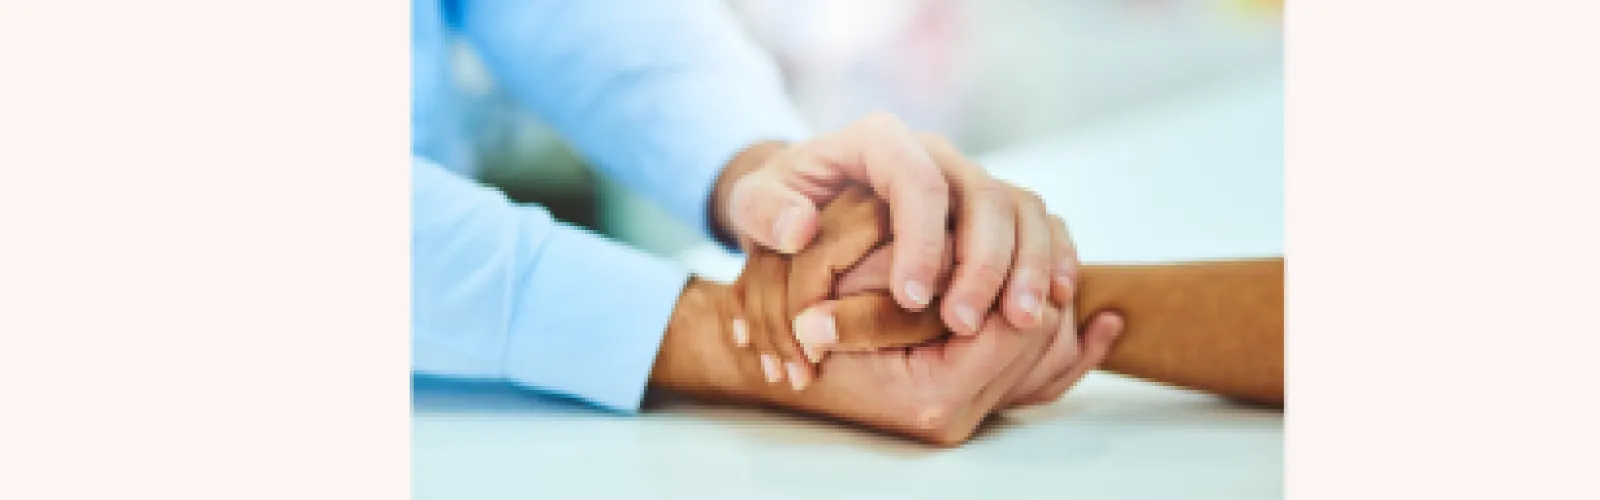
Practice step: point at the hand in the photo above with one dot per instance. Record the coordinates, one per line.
(1067, 356)
(852, 224)
(938, 392)
(770, 195)
(772, 287)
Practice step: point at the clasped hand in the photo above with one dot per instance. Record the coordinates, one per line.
(819, 294)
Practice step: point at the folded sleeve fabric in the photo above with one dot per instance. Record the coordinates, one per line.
(502, 291)
(658, 95)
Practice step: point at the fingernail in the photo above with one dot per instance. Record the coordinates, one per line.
(815, 327)
(1064, 273)
(783, 229)
(741, 333)
(797, 376)
(813, 354)
(1030, 304)
(968, 317)
(769, 366)
(1066, 285)
(917, 292)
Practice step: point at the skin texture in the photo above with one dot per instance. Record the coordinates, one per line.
(938, 393)
(1008, 255)
(1211, 326)
(1215, 327)
(1010, 348)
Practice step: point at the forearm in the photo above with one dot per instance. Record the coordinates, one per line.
(1212, 326)
(698, 357)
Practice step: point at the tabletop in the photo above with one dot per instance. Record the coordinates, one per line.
(1199, 177)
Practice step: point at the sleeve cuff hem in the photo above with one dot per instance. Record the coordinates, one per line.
(591, 319)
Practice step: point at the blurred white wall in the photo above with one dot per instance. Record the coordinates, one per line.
(989, 73)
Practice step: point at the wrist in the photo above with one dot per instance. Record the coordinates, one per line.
(697, 355)
(721, 213)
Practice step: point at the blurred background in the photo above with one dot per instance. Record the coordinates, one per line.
(989, 74)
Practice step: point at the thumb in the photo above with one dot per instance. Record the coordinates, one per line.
(771, 213)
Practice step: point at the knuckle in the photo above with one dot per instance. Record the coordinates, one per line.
(1060, 225)
(880, 120)
(993, 196)
(926, 254)
(1034, 255)
(990, 190)
(988, 272)
(925, 178)
(1028, 198)
(936, 417)
(936, 141)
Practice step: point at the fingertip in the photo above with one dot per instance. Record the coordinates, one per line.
(1024, 309)
(914, 294)
(741, 333)
(815, 326)
(1061, 291)
(1111, 325)
(799, 375)
(813, 353)
(915, 264)
(1116, 321)
(962, 317)
(770, 368)
(794, 227)
(771, 213)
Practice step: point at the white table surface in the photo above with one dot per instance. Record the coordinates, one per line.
(1197, 178)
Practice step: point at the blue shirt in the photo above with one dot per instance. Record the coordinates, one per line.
(658, 96)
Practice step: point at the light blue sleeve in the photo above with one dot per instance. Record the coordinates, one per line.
(657, 94)
(503, 291)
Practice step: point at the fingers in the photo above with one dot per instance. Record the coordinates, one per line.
(771, 212)
(1030, 273)
(881, 151)
(866, 316)
(1064, 280)
(988, 366)
(756, 320)
(870, 321)
(871, 273)
(986, 228)
(983, 357)
(1098, 337)
(1059, 356)
(991, 396)
(850, 226)
(781, 357)
(738, 327)
(797, 369)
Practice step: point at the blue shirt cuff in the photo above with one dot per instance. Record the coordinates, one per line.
(607, 346)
